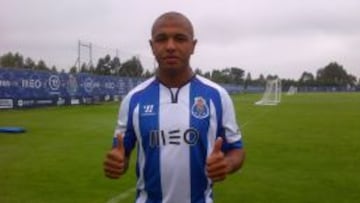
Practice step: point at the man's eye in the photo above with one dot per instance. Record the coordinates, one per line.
(160, 39)
(181, 38)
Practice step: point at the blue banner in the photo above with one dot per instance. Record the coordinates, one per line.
(27, 88)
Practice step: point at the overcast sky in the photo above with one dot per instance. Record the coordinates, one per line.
(283, 37)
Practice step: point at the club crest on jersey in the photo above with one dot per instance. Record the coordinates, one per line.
(200, 109)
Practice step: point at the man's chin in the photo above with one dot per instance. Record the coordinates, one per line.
(172, 71)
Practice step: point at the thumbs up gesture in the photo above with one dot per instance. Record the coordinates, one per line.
(115, 163)
(217, 166)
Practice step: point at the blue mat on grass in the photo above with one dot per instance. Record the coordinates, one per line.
(12, 130)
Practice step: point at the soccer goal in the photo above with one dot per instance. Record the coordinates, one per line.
(272, 94)
(292, 90)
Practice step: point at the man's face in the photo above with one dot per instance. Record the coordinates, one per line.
(172, 44)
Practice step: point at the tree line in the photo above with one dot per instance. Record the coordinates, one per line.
(104, 66)
(332, 74)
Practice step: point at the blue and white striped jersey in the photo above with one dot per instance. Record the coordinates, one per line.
(175, 130)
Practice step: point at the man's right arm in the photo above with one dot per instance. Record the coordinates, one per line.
(117, 159)
(116, 163)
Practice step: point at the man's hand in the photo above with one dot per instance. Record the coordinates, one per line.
(115, 163)
(217, 166)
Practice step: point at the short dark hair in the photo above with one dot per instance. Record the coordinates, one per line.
(173, 15)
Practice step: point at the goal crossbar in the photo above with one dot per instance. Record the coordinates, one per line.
(272, 94)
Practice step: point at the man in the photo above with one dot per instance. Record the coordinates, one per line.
(184, 125)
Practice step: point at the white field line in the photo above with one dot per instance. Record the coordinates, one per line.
(131, 191)
(122, 196)
(251, 120)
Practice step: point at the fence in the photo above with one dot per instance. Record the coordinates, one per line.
(21, 88)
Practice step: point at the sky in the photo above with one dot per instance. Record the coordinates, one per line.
(277, 37)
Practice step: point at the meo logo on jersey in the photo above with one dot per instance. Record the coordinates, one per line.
(200, 109)
(173, 137)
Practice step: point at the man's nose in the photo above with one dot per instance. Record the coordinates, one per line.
(170, 45)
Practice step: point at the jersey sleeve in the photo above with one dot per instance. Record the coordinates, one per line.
(124, 126)
(231, 131)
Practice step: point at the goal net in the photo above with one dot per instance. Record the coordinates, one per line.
(272, 94)
(292, 90)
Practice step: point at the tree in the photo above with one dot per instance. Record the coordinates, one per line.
(307, 79)
(10, 60)
(247, 80)
(198, 71)
(115, 65)
(107, 66)
(306, 76)
(207, 75)
(73, 70)
(148, 74)
(236, 75)
(260, 81)
(84, 68)
(41, 65)
(19, 61)
(333, 75)
(16, 60)
(271, 77)
(352, 80)
(131, 68)
(102, 67)
(226, 75)
(217, 76)
(261, 78)
(7, 60)
(29, 64)
(53, 69)
(91, 69)
(287, 83)
(99, 66)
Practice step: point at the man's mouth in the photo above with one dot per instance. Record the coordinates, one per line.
(171, 59)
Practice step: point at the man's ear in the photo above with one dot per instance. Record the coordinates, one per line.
(151, 45)
(194, 45)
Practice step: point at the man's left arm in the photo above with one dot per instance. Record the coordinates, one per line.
(235, 158)
(219, 164)
(228, 154)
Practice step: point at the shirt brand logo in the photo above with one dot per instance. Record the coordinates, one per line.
(200, 109)
(147, 110)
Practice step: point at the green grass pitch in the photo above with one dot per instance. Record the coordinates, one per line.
(307, 149)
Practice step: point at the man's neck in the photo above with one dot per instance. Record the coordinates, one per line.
(177, 79)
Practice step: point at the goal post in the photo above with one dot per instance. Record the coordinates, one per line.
(292, 90)
(272, 94)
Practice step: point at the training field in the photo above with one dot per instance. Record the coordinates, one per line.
(307, 149)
